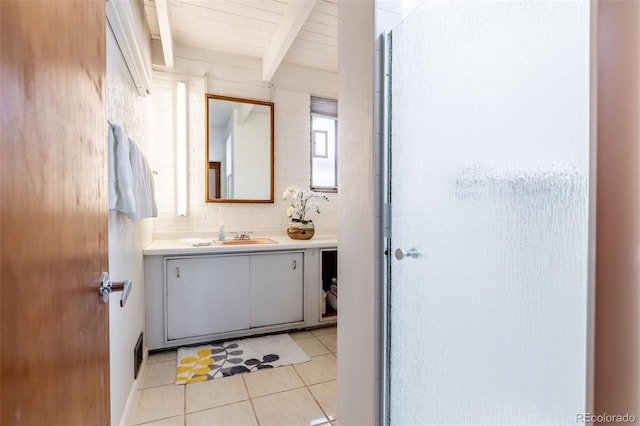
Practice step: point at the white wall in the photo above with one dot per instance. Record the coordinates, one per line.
(216, 144)
(236, 76)
(126, 238)
(251, 146)
(356, 226)
(360, 171)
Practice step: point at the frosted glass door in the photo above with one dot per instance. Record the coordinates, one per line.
(490, 185)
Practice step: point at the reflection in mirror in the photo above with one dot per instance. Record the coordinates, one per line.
(239, 150)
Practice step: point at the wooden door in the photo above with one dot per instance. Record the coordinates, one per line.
(214, 180)
(54, 332)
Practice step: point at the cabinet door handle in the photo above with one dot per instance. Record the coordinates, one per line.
(295, 264)
(177, 271)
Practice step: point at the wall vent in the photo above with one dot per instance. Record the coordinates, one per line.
(137, 356)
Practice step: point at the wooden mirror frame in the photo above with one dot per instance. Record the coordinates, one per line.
(207, 143)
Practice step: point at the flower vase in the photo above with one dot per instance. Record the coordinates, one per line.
(300, 230)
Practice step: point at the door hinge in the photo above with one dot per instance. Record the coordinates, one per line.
(387, 220)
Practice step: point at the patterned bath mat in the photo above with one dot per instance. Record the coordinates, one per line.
(200, 363)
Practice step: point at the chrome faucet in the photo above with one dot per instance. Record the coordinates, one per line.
(242, 236)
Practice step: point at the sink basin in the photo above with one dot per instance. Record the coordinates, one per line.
(244, 242)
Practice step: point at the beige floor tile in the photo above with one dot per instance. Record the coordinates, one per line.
(214, 393)
(313, 346)
(161, 356)
(238, 414)
(158, 374)
(297, 335)
(172, 421)
(320, 369)
(326, 394)
(294, 407)
(336, 423)
(272, 380)
(158, 403)
(324, 331)
(330, 341)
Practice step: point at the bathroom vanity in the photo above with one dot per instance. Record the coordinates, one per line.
(199, 294)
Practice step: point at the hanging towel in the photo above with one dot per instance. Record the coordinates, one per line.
(142, 185)
(131, 184)
(111, 167)
(124, 200)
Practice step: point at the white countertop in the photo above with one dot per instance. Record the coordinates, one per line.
(175, 247)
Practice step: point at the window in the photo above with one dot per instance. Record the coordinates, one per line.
(324, 144)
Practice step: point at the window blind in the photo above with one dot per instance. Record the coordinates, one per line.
(324, 106)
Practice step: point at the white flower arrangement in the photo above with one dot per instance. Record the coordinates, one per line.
(302, 202)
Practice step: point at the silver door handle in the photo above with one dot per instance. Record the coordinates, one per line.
(107, 286)
(401, 254)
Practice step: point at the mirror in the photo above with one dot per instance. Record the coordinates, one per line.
(239, 150)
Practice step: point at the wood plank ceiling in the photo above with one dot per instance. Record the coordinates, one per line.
(299, 32)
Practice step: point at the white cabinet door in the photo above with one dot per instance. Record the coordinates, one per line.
(207, 295)
(276, 289)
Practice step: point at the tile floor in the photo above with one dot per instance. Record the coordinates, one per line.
(295, 395)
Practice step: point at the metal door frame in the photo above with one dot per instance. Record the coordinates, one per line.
(384, 153)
